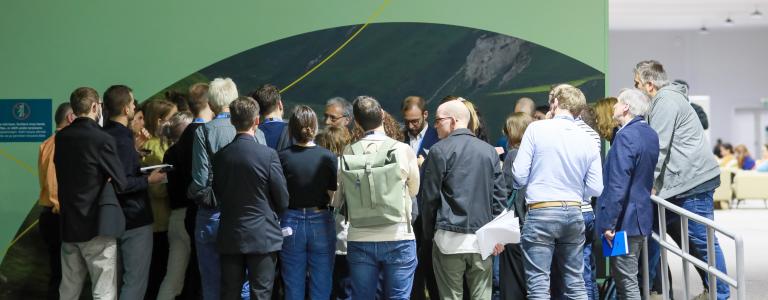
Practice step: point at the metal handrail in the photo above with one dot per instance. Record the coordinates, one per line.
(713, 273)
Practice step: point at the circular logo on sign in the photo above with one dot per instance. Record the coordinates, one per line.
(21, 111)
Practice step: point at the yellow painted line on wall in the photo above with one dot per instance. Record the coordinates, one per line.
(31, 171)
(21, 164)
(367, 22)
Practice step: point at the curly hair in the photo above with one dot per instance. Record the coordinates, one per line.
(334, 138)
(604, 117)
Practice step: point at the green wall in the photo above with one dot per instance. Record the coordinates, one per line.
(49, 48)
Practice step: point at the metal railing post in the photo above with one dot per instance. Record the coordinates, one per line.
(711, 263)
(664, 262)
(710, 266)
(686, 249)
(741, 289)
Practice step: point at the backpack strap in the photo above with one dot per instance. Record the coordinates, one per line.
(381, 155)
(357, 148)
(384, 149)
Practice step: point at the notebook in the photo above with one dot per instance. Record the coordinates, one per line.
(619, 245)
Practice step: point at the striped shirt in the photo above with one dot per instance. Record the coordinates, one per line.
(586, 205)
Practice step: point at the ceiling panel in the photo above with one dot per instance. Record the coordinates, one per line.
(685, 14)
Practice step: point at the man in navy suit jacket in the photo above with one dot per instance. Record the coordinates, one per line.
(420, 136)
(251, 190)
(628, 179)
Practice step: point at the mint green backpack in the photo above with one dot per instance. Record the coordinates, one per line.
(373, 186)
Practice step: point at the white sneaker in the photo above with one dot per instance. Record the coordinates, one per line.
(703, 296)
(656, 296)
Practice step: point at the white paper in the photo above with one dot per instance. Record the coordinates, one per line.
(152, 168)
(504, 229)
(287, 231)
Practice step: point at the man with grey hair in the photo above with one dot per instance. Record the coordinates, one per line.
(686, 173)
(338, 112)
(625, 203)
(560, 165)
(208, 139)
(463, 189)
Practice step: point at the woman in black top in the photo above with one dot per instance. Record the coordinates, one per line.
(511, 271)
(310, 173)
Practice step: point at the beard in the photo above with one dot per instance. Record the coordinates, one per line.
(415, 132)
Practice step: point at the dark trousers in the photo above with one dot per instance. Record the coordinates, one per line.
(425, 275)
(49, 226)
(512, 273)
(260, 269)
(192, 279)
(159, 264)
(342, 284)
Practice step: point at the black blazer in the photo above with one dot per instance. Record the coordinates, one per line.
(250, 187)
(85, 158)
(134, 198)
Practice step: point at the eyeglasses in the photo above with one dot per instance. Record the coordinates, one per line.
(437, 120)
(333, 118)
(414, 121)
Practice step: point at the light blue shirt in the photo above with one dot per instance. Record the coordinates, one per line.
(558, 161)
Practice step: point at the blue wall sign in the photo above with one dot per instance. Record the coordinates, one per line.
(25, 120)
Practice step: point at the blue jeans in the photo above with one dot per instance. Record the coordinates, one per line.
(395, 260)
(206, 231)
(589, 259)
(310, 249)
(701, 204)
(550, 230)
(589, 263)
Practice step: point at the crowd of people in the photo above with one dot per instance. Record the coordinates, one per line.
(209, 194)
(730, 157)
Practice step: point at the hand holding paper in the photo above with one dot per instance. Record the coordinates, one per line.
(504, 229)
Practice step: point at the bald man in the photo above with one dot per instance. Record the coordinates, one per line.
(525, 105)
(462, 190)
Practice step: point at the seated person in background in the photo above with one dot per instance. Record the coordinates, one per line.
(727, 160)
(746, 162)
(762, 164)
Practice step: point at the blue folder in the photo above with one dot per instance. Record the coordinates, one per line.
(620, 246)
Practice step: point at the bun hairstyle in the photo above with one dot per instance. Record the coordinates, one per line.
(302, 126)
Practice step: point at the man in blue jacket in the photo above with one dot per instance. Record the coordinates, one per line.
(628, 179)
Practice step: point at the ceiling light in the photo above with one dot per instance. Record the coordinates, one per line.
(729, 21)
(756, 14)
(703, 30)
